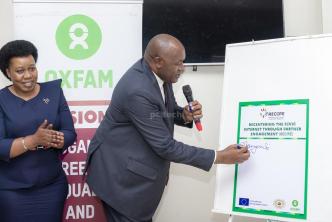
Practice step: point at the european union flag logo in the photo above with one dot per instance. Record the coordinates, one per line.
(244, 201)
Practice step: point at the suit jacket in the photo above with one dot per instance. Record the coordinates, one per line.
(129, 156)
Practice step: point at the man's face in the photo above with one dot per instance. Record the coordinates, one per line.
(171, 65)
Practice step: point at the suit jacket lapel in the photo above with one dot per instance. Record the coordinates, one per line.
(169, 108)
(149, 73)
(166, 114)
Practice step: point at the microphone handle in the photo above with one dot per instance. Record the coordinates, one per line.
(197, 121)
(190, 106)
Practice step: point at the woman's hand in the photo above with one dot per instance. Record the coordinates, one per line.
(59, 140)
(46, 137)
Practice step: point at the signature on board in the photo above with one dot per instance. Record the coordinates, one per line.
(254, 147)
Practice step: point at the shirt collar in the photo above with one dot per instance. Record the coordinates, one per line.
(159, 80)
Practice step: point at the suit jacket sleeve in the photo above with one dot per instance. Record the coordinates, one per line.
(178, 120)
(148, 120)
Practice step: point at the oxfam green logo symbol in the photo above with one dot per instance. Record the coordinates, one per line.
(295, 203)
(78, 37)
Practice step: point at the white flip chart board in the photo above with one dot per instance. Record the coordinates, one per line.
(271, 74)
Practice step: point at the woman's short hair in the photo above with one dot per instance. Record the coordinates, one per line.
(17, 48)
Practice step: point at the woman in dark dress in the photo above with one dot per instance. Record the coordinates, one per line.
(35, 127)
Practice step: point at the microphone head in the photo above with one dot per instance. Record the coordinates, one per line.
(188, 93)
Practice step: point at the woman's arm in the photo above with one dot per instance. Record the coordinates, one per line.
(66, 124)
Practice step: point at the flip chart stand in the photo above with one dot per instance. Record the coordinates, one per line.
(230, 219)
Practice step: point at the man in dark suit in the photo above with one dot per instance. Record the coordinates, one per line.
(129, 156)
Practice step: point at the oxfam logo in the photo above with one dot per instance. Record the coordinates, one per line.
(78, 37)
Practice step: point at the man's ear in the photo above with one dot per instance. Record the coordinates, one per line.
(158, 61)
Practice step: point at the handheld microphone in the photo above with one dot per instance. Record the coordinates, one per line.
(189, 96)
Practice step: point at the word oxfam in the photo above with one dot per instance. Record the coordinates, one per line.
(82, 78)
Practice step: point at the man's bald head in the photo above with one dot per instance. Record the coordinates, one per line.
(163, 53)
(161, 45)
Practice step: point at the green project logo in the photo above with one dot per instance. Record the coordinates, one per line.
(78, 37)
(295, 203)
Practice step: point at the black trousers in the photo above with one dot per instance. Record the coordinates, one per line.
(114, 216)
